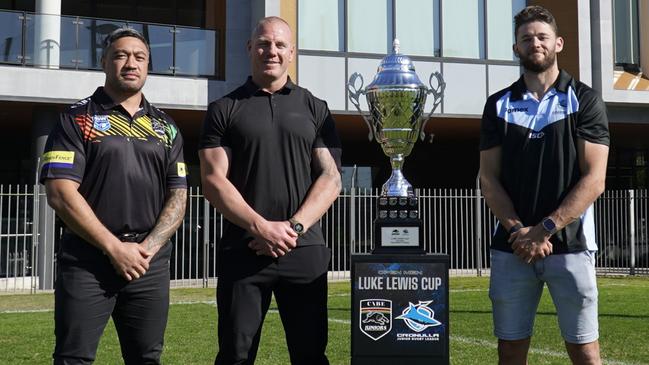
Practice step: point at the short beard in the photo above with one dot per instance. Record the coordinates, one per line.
(128, 88)
(538, 67)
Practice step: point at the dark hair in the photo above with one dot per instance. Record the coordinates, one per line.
(535, 13)
(121, 33)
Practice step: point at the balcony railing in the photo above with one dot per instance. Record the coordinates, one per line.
(69, 42)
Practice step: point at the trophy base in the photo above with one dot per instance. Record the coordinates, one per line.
(398, 236)
(398, 228)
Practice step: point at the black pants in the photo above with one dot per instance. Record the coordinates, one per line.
(88, 291)
(245, 286)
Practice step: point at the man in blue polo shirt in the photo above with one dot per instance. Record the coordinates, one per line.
(544, 148)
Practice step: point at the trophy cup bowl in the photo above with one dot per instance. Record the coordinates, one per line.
(396, 99)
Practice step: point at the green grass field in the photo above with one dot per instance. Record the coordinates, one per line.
(26, 327)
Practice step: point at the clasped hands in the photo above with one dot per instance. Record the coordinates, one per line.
(130, 259)
(274, 239)
(530, 244)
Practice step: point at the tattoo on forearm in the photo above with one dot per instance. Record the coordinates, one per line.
(170, 218)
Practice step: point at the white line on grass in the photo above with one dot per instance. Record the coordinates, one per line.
(468, 340)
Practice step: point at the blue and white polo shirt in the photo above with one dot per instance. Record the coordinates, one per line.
(539, 152)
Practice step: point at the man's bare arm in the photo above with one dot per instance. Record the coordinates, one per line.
(501, 205)
(225, 197)
(495, 195)
(129, 260)
(168, 222)
(593, 159)
(323, 191)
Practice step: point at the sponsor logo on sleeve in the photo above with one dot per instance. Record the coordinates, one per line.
(182, 169)
(59, 159)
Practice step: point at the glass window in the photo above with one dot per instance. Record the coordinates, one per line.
(195, 52)
(69, 55)
(369, 26)
(626, 34)
(500, 28)
(463, 28)
(91, 35)
(161, 39)
(417, 23)
(11, 38)
(321, 25)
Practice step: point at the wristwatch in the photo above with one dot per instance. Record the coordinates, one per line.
(515, 228)
(297, 226)
(549, 225)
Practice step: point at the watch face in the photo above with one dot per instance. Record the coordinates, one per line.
(549, 225)
(298, 228)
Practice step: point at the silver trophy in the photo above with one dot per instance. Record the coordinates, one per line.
(396, 99)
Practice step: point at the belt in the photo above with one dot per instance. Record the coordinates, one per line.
(124, 237)
(132, 236)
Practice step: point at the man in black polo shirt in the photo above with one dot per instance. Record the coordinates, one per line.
(270, 161)
(114, 173)
(544, 148)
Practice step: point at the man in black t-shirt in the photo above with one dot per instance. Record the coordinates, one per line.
(270, 163)
(114, 173)
(544, 148)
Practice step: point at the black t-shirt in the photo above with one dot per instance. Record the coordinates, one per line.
(539, 163)
(271, 137)
(124, 165)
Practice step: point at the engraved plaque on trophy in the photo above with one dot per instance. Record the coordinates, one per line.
(396, 99)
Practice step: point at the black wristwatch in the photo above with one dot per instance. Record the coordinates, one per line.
(297, 226)
(515, 228)
(549, 226)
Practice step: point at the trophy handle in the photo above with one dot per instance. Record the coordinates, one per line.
(354, 95)
(438, 95)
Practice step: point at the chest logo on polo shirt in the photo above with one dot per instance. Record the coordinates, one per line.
(158, 127)
(101, 122)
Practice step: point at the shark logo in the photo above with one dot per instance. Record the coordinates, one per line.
(418, 317)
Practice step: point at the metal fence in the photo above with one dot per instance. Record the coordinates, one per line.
(456, 222)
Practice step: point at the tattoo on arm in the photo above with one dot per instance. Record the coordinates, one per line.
(169, 220)
(324, 163)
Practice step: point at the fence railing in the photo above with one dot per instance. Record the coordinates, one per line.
(456, 222)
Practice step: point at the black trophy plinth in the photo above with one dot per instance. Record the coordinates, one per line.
(400, 309)
(397, 227)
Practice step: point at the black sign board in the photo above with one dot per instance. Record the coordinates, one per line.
(400, 309)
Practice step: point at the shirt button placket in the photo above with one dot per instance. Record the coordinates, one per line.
(273, 106)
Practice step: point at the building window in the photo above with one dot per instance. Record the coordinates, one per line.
(500, 28)
(417, 26)
(463, 29)
(369, 23)
(321, 25)
(626, 34)
(472, 29)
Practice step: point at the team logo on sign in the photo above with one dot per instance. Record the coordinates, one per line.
(100, 122)
(375, 317)
(418, 317)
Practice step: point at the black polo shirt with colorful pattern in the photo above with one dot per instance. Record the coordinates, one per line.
(540, 165)
(124, 165)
